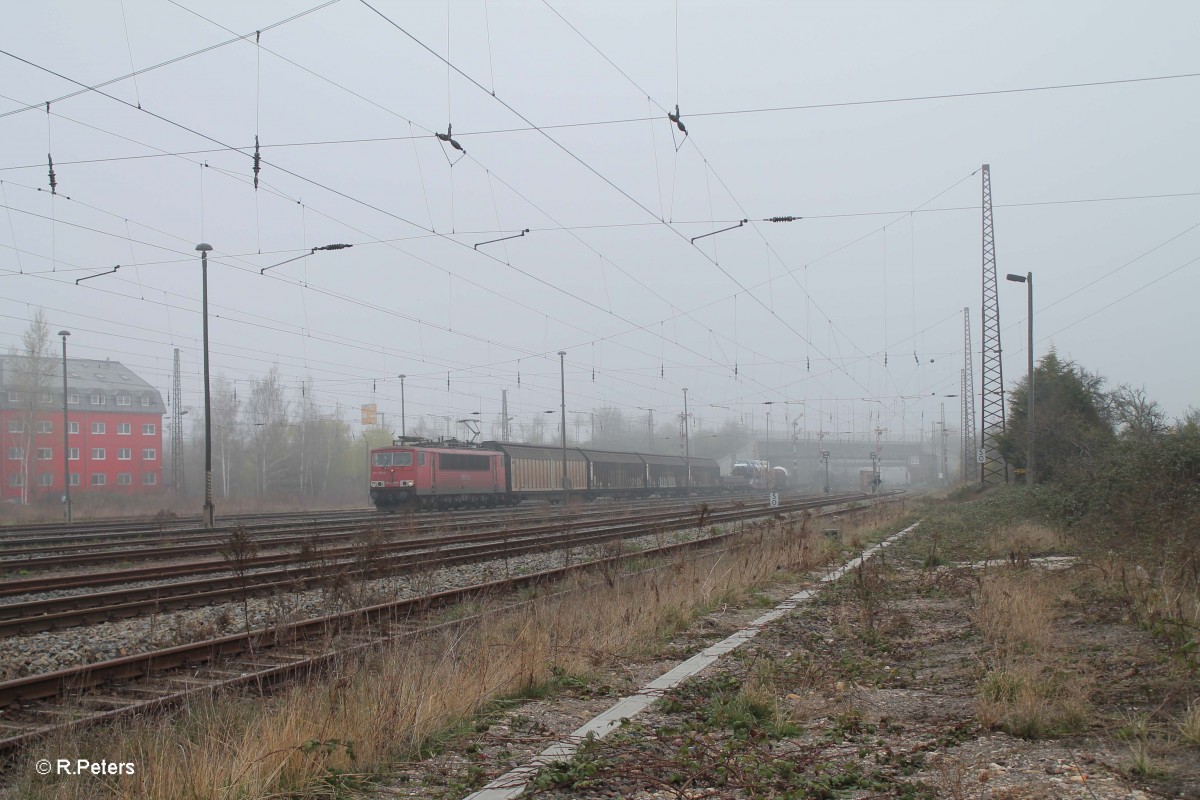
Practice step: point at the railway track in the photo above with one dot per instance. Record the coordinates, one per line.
(39, 704)
(19, 555)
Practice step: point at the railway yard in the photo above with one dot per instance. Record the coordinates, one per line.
(99, 621)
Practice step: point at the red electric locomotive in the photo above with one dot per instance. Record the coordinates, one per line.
(437, 477)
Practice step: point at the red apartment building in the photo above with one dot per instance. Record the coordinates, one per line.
(114, 430)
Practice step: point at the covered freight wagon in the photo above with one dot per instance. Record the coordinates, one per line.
(536, 470)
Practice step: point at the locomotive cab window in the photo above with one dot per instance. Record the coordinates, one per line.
(462, 461)
(394, 459)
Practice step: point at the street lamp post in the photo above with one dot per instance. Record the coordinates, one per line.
(66, 449)
(209, 511)
(562, 377)
(403, 429)
(1027, 279)
(825, 458)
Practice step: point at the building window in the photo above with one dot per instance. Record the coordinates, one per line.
(146, 401)
(45, 479)
(149, 479)
(98, 480)
(16, 453)
(124, 479)
(43, 454)
(72, 427)
(45, 427)
(123, 400)
(74, 478)
(73, 398)
(14, 397)
(97, 427)
(73, 454)
(148, 430)
(16, 479)
(97, 399)
(124, 454)
(15, 426)
(149, 454)
(45, 397)
(97, 454)
(123, 429)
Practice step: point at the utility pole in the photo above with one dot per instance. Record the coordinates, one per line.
(504, 415)
(993, 470)
(687, 450)
(967, 398)
(562, 376)
(945, 455)
(177, 430)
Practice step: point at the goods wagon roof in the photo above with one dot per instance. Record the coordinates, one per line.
(610, 457)
(678, 461)
(535, 451)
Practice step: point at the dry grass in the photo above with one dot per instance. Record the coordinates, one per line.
(1189, 724)
(352, 723)
(1014, 610)
(1023, 691)
(1033, 700)
(1020, 542)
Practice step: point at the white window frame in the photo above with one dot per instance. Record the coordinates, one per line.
(99, 428)
(149, 429)
(149, 454)
(74, 478)
(98, 454)
(97, 400)
(124, 400)
(124, 479)
(45, 479)
(128, 429)
(149, 479)
(72, 427)
(44, 454)
(14, 397)
(45, 426)
(73, 454)
(99, 479)
(145, 402)
(16, 453)
(16, 479)
(73, 399)
(125, 454)
(16, 426)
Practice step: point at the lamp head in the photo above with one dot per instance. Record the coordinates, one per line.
(204, 247)
(1015, 278)
(64, 333)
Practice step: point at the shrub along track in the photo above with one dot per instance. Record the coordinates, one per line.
(37, 705)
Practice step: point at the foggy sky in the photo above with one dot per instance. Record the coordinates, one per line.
(853, 313)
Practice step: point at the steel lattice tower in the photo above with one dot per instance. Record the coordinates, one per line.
(967, 395)
(993, 470)
(176, 431)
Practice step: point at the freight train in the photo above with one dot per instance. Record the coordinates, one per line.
(442, 475)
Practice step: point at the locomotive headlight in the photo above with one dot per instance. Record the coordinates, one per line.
(406, 483)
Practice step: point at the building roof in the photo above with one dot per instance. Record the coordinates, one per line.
(85, 377)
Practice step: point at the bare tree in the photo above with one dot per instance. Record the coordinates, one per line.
(32, 370)
(1135, 414)
(267, 409)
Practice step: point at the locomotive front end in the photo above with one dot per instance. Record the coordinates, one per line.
(393, 477)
